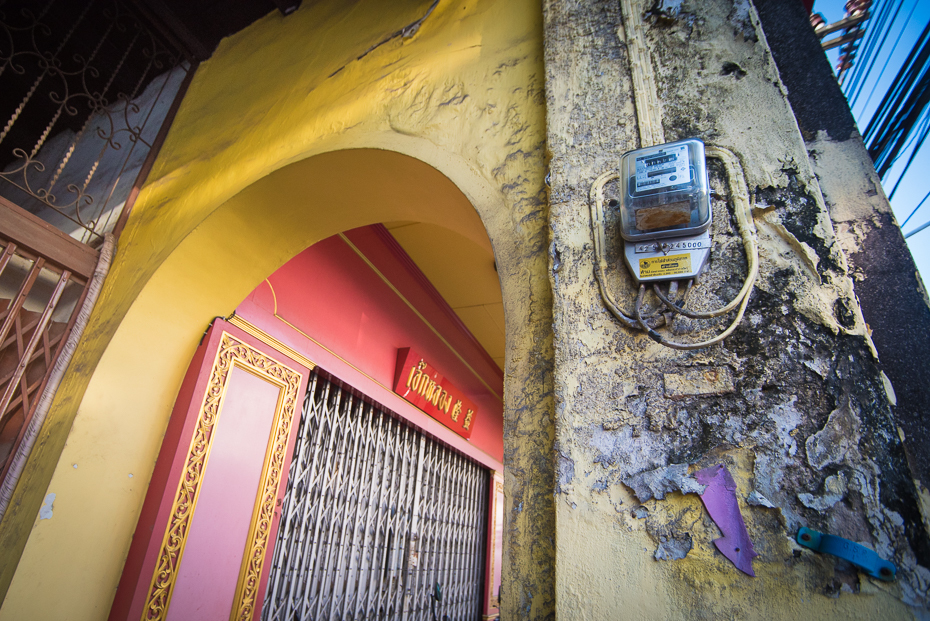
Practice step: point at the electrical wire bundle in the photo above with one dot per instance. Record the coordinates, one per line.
(743, 211)
(898, 126)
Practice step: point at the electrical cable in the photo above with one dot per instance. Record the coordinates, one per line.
(683, 311)
(898, 127)
(901, 106)
(684, 296)
(600, 259)
(923, 123)
(658, 338)
(872, 47)
(920, 135)
(875, 36)
(747, 285)
(902, 83)
(600, 265)
(881, 44)
(918, 229)
(915, 209)
(857, 31)
(739, 193)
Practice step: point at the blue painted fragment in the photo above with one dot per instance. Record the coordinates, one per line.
(859, 555)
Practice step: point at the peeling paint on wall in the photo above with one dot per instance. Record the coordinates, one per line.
(892, 296)
(795, 407)
(45, 512)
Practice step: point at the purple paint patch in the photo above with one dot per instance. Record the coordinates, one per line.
(720, 501)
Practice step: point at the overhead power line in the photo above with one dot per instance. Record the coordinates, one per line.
(897, 126)
(915, 209)
(901, 106)
(874, 52)
(876, 33)
(918, 229)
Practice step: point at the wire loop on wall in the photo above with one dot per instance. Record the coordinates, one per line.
(739, 193)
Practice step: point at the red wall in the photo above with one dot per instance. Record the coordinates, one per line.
(347, 319)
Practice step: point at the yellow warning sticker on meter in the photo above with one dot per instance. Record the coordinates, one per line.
(671, 265)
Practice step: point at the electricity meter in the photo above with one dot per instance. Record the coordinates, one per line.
(665, 211)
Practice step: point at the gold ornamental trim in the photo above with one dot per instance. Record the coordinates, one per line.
(231, 353)
(497, 478)
(267, 339)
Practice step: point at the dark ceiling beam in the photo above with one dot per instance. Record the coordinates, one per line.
(173, 28)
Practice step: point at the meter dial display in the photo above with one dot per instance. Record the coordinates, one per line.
(664, 191)
(667, 168)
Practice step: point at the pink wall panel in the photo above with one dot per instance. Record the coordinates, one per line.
(216, 541)
(222, 471)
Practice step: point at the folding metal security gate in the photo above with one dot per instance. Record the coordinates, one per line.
(376, 514)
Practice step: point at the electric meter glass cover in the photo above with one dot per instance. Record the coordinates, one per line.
(665, 191)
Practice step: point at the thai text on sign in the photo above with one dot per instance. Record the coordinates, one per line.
(423, 386)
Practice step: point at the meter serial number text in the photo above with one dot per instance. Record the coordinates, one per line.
(672, 245)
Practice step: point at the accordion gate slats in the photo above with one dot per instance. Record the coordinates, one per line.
(375, 515)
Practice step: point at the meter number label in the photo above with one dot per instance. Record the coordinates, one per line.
(668, 246)
(671, 265)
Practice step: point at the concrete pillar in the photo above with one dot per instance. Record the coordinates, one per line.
(890, 291)
(793, 403)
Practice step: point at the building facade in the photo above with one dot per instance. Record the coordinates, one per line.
(355, 196)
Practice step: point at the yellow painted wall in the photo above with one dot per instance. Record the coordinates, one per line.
(261, 162)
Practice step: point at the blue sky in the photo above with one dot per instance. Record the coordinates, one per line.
(915, 185)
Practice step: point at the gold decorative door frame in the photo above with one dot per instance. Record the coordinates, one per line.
(231, 353)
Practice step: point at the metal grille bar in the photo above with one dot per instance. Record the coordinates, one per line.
(39, 302)
(374, 516)
(87, 87)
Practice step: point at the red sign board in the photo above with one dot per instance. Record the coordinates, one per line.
(422, 385)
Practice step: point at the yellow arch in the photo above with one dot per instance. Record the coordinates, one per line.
(336, 126)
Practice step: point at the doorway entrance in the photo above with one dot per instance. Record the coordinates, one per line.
(363, 494)
(377, 518)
